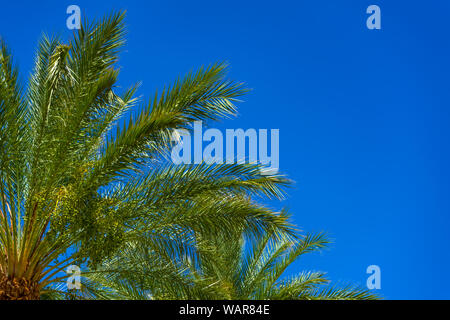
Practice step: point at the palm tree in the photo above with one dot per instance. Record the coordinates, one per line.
(229, 267)
(252, 269)
(82, 177)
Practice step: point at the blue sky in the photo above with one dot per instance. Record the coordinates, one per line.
(363, 114)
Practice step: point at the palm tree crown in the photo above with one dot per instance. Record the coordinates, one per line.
(77, 182)
(84, 180)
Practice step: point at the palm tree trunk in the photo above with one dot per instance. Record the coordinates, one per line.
(18, 289)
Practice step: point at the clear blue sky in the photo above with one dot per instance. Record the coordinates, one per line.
(363, 114)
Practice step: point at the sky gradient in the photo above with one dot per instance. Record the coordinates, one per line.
(363, 114)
